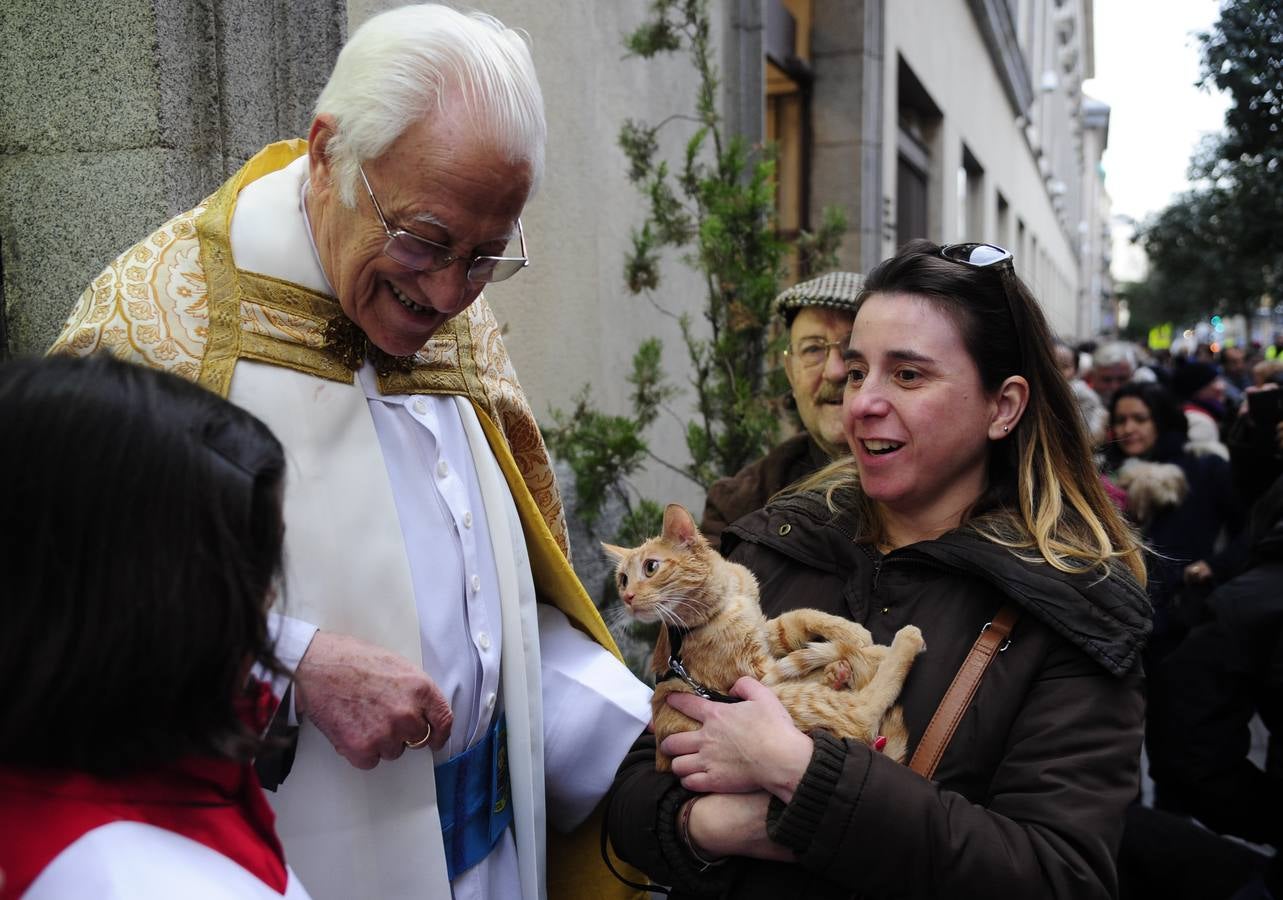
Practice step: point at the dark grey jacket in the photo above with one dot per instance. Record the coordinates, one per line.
(751, 487)
(1028, 799)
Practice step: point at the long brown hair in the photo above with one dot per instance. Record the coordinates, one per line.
(1043, 492)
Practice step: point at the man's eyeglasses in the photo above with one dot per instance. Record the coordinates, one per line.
(423, 255)
(812, 353)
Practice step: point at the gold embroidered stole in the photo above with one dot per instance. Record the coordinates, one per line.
(258, 317)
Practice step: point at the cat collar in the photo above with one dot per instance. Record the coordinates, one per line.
(677, 670)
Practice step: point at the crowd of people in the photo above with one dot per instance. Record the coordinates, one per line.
(336, 565)
(1194, 450)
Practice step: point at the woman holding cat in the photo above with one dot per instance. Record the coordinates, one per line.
(971, 491)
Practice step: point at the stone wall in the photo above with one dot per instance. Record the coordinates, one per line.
(117, 116)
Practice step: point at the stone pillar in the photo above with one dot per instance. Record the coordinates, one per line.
(846, 154)
(117, 116)
(743, 71)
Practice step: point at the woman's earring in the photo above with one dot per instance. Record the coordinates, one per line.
(1005, 428)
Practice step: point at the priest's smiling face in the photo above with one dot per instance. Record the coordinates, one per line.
(439, 181)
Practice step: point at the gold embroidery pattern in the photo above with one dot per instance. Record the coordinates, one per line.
(515, 419)
(148, 306)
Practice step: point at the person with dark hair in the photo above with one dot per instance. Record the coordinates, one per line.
(817, 315)
(129, 718)
(1236, 374)
(1180, 495)
(1225, 672)
(1201, 391)
(970, 508)
(1255, 439)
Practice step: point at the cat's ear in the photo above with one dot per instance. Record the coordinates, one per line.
(679, 527)
(616, 553)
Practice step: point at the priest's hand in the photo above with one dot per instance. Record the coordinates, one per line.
(368, 701)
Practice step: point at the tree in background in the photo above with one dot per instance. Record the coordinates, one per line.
(716, 203)
(1219, 247)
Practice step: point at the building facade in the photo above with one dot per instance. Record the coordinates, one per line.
(959, 120)
(946, 119)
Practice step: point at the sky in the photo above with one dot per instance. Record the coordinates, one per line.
(1147, 63)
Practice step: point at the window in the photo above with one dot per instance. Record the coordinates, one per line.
(1022, 258)
(1004, 222)
(916, 160)
(788, 84)
(971, 198)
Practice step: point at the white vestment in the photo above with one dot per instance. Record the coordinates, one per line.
(400, 530)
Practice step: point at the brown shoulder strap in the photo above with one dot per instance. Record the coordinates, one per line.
(949, 713)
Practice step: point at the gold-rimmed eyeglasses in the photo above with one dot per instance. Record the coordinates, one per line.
(423, 255)
(811, 353)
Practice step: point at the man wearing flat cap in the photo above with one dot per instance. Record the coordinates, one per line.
(818, 314)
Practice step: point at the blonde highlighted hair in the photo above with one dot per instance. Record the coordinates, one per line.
(1044, 499)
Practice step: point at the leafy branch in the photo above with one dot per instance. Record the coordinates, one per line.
(714, 205)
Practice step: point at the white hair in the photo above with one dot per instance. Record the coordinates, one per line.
(399, 67)
(1114, 354)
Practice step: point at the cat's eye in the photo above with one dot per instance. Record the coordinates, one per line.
(650, 567)
(623, 581)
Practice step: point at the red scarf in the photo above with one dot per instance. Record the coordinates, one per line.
(215, 802)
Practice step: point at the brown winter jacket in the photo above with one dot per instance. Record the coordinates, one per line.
(749, 489)
(1027, 801)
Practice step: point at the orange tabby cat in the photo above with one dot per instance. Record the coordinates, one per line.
(826, 670)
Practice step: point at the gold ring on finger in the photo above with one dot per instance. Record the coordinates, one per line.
(415, 745)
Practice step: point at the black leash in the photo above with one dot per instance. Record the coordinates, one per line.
(605, 851)
(676, 669)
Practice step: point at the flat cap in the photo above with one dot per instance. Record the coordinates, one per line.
(835, 290)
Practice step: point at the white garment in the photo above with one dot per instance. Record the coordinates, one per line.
(1203, 435)
(443, 546)
(136, 861)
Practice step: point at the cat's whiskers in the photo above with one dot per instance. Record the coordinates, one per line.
(687, 611)
(619, 616)
(667, 617)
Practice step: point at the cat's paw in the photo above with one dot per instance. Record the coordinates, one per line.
(912, 635)
(838, 675)
(801, 663)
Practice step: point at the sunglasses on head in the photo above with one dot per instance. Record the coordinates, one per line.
(976, 255)
(984, 256)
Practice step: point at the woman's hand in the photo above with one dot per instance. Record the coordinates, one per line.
(733, 825)
(742, 747)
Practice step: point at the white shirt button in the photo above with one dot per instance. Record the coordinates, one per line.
(490, 699)
(476, 582)
(419, 406)
(442, 469)
(467, 520)
(483, 641)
